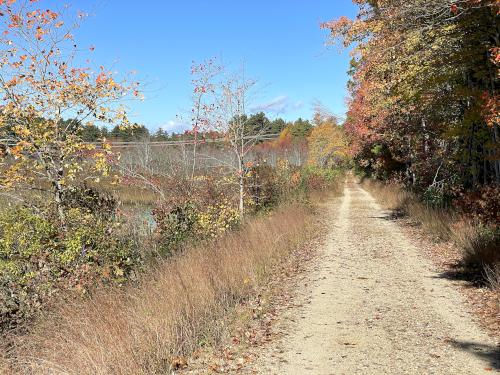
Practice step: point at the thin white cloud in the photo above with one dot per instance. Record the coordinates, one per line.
(175, 126)
(280, 104)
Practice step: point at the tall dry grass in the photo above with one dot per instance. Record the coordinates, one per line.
(178, 305)
(493, 276)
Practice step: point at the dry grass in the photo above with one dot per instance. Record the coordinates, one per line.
(493, 277)
(133, 195)
(480, 244)
(176, 307)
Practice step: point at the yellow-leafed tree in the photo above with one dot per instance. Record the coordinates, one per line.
(328, 146)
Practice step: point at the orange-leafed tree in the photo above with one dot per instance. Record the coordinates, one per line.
(46, 99)
(424, 90)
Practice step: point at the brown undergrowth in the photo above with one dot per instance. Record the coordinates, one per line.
(461, 248)
(257, 321)
(177, 307)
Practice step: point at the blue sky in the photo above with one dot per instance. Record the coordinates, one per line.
(279, 40)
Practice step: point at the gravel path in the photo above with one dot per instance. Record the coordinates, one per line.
(374, 305)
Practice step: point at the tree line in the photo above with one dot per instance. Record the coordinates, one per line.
(257, 123)
(424, 101)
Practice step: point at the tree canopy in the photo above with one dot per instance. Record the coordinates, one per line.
(424, 89)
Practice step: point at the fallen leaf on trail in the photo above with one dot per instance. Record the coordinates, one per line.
(178, 363)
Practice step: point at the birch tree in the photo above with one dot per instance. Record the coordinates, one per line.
(226, 112)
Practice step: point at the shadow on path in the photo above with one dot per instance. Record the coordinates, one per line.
(486, 352)
(474, 276)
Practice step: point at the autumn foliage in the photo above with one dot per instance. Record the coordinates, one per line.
(423, 104)
(423, 113)
(55, 232)
(328, 146)
(46, 99)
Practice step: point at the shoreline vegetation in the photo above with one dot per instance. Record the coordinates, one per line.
(176, 305)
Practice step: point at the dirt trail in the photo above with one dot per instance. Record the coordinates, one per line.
(374, 305)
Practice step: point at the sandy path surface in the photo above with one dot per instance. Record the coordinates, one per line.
(373, 305)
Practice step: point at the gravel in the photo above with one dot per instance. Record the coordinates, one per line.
(372, 304)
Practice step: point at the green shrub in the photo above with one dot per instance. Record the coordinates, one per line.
(174, 225)
(264, 188)
(200, 210)
(435, 197)
(26, 241)
(316, 178)
(24, 234)
(101, 244)
(39, 257)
